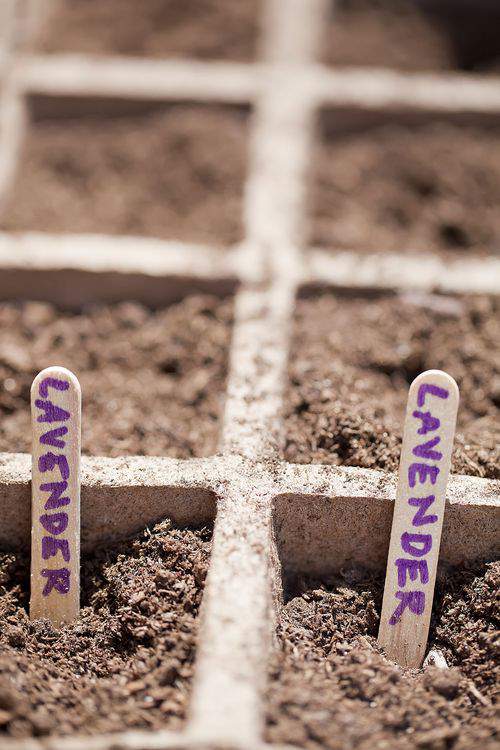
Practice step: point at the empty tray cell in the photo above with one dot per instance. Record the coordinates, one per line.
(331, 686)
(206, 29)
(127, 662)
(420, 35)
(174, 173)
(406, 182)
(353, 358)
(153, 382)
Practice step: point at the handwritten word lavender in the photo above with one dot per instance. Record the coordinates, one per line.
(417, 542)
(54, 545)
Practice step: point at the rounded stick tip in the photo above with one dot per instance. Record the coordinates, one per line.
(57, 372)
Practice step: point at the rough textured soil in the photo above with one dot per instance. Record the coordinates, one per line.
(351, 365)
(127, 661)
(153, 383)
(332, 687)
(433, 187)
(404, 35)
(175, 174)
(207, 29)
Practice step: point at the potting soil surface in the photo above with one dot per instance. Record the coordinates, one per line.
(206, 29)
(428, 187)
(127, 661)
(353, 359)
(331, 686)
(408, 36)
(153, 383)
(175, 174)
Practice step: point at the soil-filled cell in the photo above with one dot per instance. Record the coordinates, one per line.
(153, 382)
(409, 35)
(353, 359)
(331, 686)
(205, 29)
(424, 187)
(175, 173)
(127, 662)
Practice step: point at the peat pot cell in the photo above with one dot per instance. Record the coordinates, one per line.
(127, 662)
(332, 687)
(205, 29)
(153, 382)
(406, 183)
(175, 173)
(413, 36)
(353, 358)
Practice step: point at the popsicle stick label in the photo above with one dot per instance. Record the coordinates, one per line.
(55, 496)
(428, 435)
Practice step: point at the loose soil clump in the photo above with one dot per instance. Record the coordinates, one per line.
(205, 29)
(153, 382)
(433, 187)
(353, 359)
(333, 688)
(175, 174)
(128, 660)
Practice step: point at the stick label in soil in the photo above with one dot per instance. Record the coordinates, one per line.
(55, 496)
(418, 517)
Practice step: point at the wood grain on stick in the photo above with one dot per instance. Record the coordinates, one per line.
(55, 496)
(418, 517)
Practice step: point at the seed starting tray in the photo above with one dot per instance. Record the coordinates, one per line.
(268, 513)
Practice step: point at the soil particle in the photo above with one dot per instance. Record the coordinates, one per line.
(128, 660)
(433, 187)
(176, 174)
(333, 688)
(153, 383)
(206, 29)
(351, 364)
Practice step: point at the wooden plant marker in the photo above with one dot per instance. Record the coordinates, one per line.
(428, 435)
(56, 406)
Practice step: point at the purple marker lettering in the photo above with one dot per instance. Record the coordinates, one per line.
(52, 413)
(56, 579)
(56, 489)
(56, 523)
(59, 385)
(48, 461)
(51, 546)
(55, 538)
(425, 450)
(413, 568)
(413, 600)
(422, 503)
(429, 423)
(423, 471)
(408, 542)
(51, 437)
(434, 390)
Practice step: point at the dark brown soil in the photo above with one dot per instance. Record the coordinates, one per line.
(333, 688)
(153, 382)
(207, 29)
(435, 187)
(413, 36)
(175, 174)
(351, 364)
(128, 660)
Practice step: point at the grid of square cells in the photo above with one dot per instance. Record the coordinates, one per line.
(285, 88)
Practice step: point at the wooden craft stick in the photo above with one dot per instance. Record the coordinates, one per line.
(56, 404)
(418, 517)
